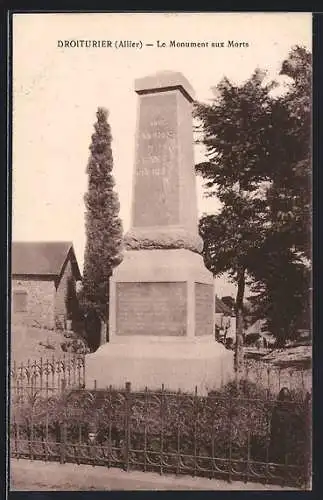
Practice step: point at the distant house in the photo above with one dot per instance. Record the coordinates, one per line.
(257, 334)
(256, 328)
(225, 319)
(43, 274)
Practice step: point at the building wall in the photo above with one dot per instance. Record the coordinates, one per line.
(232, 331)
(60, 300)
(37, 307)
(219, 319)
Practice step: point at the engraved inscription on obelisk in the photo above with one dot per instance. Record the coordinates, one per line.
(156, 192)
(164, 206)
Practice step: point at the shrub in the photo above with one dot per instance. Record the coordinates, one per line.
(75, 346)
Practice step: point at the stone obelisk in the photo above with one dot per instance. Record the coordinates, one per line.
(162, 299)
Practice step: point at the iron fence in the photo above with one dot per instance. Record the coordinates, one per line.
(234, 433)
(46, 377)
(274, 378)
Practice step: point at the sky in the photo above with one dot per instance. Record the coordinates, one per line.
(56, 92)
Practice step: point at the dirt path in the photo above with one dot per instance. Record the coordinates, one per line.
(41, 476)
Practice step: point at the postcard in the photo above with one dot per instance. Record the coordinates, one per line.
(161, 251)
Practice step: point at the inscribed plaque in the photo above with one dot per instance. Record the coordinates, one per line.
(204, 304)
(151, 308)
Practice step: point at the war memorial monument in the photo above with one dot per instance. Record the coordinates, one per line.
(161, 320)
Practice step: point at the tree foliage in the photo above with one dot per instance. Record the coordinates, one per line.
(282, 280)
(281, 291)
(258, 167)
(103, 249)
(235, 133)
(289, 195)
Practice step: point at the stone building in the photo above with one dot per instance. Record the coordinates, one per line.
(43, 283)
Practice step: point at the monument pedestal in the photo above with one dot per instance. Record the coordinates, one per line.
(156, 293)
(161, 326)
(184, 365)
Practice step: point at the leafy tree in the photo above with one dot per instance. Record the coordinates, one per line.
(289, 195)
(103, 249)
(234, 130)
(282, 295)
(259, 169)
(283, 277)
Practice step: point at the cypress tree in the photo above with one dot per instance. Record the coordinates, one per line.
(103, 250)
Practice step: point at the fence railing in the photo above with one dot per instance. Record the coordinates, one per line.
(234, 433)
(47, 376)
(274, 378)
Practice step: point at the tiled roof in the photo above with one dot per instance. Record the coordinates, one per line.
(42, 258)
(258, 326)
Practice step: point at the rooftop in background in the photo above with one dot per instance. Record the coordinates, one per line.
(258, 327)
(221, 307)
(42, 258)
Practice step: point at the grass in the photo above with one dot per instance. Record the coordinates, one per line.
(30, 343)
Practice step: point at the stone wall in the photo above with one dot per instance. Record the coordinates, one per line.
(39, 302)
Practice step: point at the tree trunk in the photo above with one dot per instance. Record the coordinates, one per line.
(238, 361)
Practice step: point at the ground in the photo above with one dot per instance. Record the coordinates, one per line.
(41, 476)
(29, 343)
(291, 357)
(297, 357)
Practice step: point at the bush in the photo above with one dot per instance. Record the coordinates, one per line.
(75, 346)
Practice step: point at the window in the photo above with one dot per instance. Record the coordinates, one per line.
(19, 301)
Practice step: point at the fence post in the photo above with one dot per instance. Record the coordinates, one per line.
(63, 433)
(63, 428)
(127, 426)
(308, 452)
(83, 373)
(162, 411)
(63, 385)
